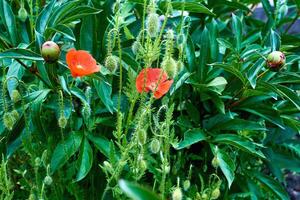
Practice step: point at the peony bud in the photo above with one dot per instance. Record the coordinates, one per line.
(62, 121)
(215, 194)
(111, 63)
(15, 96)
(170, 66)
(8, 120)
(276, 60)
(155, 146)
(22, 14)
(177, 194)
(48, 180)
(50, 51)
(153, 24)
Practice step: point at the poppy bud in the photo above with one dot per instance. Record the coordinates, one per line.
(204, 196)
(15, 96)
(166, 169)
(153, 24)
(22, 14)
(37, 161)
(186, 185)
(142, 136)
(111, 63)
(215, 162)
(170, 66)
(15, 114)
(177, 194)
(155, 146)
(8, 120)
(215, 193)
(137, 48)
(276, 60)
(31, 197)
(48, 180)
(50, 51)
(62, 121)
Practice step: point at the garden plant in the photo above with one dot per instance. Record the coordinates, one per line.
(149, 99)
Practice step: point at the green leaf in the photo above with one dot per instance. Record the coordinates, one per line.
(190, 54)
(85, 159)
(274, 40)
(9, 21)
(87, 34)
(237, 30)
(101, 143)
(137, 192)
(191, 137)
(42, 20)
(271, 184)
(240, 143)
(225, 163)
(64, 150)
(180, 82)
(64, 30)
(21, 54)
(104, 91)
(204, 55)
(254, 70)
(218, 84)
(230, 69)
(239, 124)
(77, 13)
(195, 7)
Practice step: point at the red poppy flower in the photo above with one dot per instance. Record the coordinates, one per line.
(81, 63)
(156, 81)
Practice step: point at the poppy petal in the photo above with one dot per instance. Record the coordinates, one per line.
(142, 81)
(162, 89)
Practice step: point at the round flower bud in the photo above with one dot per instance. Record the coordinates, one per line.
(15, 96)
(153, 24)
(137, 48)
(177, 194)
(215, 162)
(186, 185)
(215, 193)
(170, 66)
(276, 60)
(37, 161)
(22, 14)
(111, 63)
(143, 165)
(62, 121)
(8, 120)
(50, 51)
(15, 114)
(204, 197)
(155, 146)
(48, 180)
(142, 136)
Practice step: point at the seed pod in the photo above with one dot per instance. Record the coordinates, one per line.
(177, 194)
(153, 24)
(215, 194)
(111, 63)
(276, 60)
(142, 136)
(186, 185)
(48, 180)
(62, 121)
(8, 120)
(22, 14)
(50, 51)
(170, 66)
(215, 162)
(155, 146)
(15, 96)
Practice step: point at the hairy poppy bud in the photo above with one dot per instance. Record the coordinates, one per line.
(15, 96)
(15, 114)
(153, 24)
(170, 66)
(155, 146)
(215, 193)
(276, 60)
(111, 63)
(22, 14)
(8, 120)
(37, 162)
(142, 136)
(204, 196)
(177, 194)
(137, 48)
(48, 180)
(50, 51)
(62, 121)
(215, 162)
(186, 185)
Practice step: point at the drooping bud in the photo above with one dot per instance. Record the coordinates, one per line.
(22, 14)
(186, 185)
(215, 162)
(142, 136)
(8, 120)
(215, 193)
(155, 146)
(153, 24)
(15, 115)
(177, 194)
(137, 48)
(48, 180)
(62, 121)
(276, 60)
(111, 63)
(170, 66)
(50, 51)
(15, 96)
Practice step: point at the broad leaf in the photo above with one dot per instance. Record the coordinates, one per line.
(191, 137)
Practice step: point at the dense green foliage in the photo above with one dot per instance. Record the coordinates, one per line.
(227, 128)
